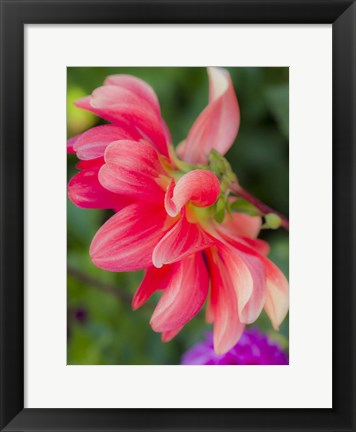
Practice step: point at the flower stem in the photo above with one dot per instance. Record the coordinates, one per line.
(103, 286)
(242, 193)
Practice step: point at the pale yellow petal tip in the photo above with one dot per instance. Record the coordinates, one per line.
(156, 262)
(218, 350)
(217, 70)
(221, 348)
(219, 79)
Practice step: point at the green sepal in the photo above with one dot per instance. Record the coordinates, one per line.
(243, 206)
(220, 207)
(221, 168)
(179, 163)
(228, 206)
(272, 221)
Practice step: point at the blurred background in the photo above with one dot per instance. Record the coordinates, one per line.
(102, 328)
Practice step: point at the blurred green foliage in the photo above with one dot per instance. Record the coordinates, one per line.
(102, 328)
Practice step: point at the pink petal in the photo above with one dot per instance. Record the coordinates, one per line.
(170, 334)
(183, 239)
(167, 133)
(240, 224)
(92, 163)
(111, 99)
(200, 187)
(183, 297)
(154, 280)
(242, 228)
(84, 190)
(137, 86)
(248, 277)
(209, 313)
(217, 126)
(223, 303)
(92, 143)
(71, 142)
(277, 289)
(134, 169)
(277, 295)
(126, 241)
(124, 107)
(259, 245)
(85, 103)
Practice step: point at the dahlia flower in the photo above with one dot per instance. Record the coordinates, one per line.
(253, 348)
(173, 210)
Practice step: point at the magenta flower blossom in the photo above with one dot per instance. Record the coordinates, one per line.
(173, 214)
(253, 348)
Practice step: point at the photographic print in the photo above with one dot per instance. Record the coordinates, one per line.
(177, 216)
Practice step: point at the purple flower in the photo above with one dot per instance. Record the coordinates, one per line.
(254, 348)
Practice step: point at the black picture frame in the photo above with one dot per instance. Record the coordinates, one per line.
(14, 15)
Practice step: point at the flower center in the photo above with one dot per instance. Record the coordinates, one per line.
(221, 168)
